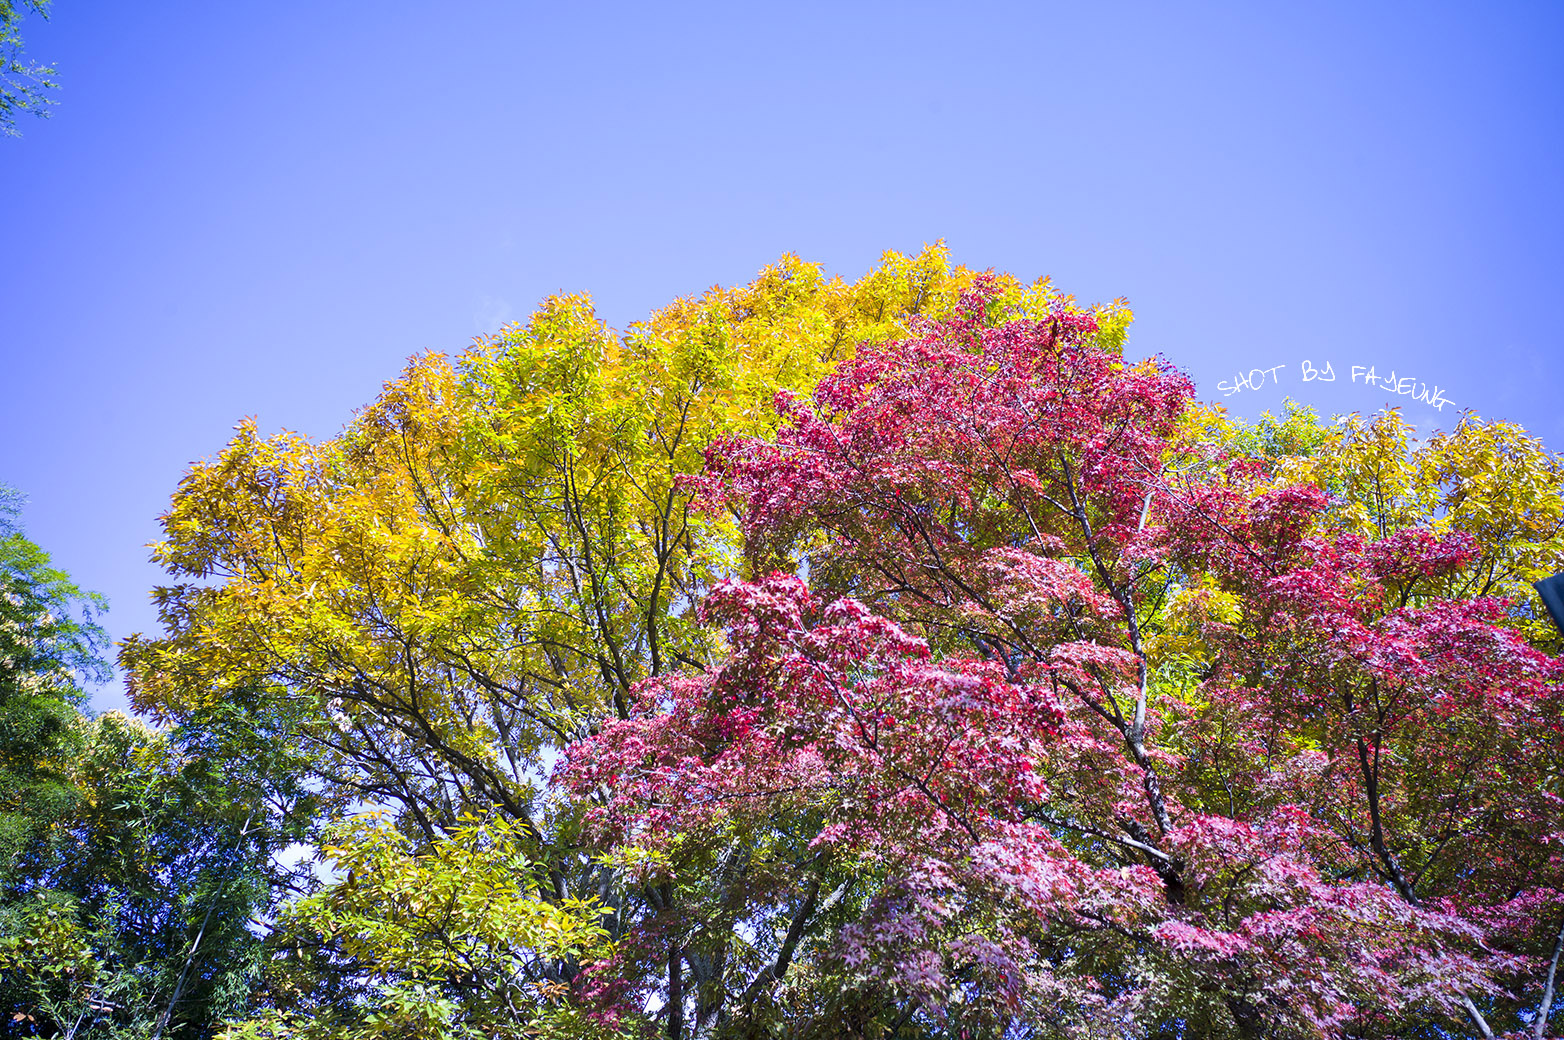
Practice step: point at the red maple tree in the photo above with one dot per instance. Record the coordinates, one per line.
(1052, 719)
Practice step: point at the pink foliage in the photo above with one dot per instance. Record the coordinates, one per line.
(1336, 823)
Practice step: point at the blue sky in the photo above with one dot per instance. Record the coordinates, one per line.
(243, 209)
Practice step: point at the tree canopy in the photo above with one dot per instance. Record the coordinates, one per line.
(893, 658)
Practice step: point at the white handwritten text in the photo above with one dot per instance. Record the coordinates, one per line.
(1406, 386)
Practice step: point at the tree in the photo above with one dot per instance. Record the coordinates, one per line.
(432, 942)
(1081, 726)
(23, 83)
(139, 925)
(131, 861)
(49, 642)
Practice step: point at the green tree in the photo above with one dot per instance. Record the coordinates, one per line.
(132, 861)
(49, 644)
(23, 83)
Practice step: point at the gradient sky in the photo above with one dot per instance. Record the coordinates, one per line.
(244, 209)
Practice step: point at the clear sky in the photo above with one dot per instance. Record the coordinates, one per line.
(262, 209)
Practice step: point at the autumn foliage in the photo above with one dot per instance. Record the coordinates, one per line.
(886, 660)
